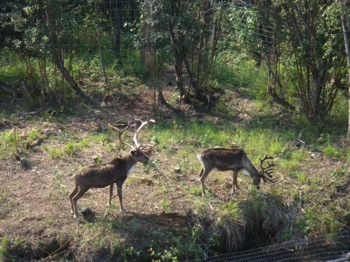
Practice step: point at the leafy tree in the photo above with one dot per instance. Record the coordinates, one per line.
(120, 12)
(298, 40)
(44, 30)
(192, 29)
(345, 22)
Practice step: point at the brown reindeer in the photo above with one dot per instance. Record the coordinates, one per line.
(224, 159)
(114, 171)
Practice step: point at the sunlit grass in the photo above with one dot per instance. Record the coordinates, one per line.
(101, 137)
(10, 142)
(4, 242)
(332, 151)
(7, 203)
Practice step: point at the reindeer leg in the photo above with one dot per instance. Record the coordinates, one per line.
(234, 182)
(204, 173)
(201, 173)
(75, 191)
(120, 194)
(75, 199)
(110, 195)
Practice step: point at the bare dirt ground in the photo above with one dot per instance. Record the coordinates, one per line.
(34, 205)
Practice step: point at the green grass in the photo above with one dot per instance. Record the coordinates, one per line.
(4, 242)
(7, 203)
(10, 143)
(235, 72)
(55, 152)
(104, 137)
(72, 148)
(70, 145)
(332, 151)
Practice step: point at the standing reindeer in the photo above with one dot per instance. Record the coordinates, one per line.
(106, 174)
(223, 159)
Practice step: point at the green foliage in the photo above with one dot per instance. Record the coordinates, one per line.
(258, 142)
(14, 142)
(12, 67)
(292, 56)
(10, 142)
(323, 130)
(31, 56)
(101, 137)
(301, 177)
(4, 242)
(231, 211)
(237, 219)
(326, 213)
(332, 151)
(7, 203)
(55, 152)
(70, 148)
(196, 191)
(319, 220)
(131, 63)
(185, 30)
(164, 255)
(235, 71)
(164, 203)
(33, 135)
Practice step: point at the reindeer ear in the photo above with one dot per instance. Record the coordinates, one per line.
(133, 152)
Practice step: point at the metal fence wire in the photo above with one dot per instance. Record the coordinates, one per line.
(326, 249)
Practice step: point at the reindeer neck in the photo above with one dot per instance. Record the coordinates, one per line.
(130, 162)
(249, 167)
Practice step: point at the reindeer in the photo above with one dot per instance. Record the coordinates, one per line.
(106, 174)
(223, 159)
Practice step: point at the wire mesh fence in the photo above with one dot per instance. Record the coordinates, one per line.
(326, 249)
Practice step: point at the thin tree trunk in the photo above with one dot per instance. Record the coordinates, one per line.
(9, 89)
(148, 54)
(344, 22)
(118, 30)
(178, 60)
(57, 58)
(99, 45)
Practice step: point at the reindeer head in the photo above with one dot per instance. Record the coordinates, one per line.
(265, 172)
(139, 156)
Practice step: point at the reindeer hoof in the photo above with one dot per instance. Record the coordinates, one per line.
(123, 211)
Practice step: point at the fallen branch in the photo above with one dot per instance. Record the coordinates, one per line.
(7, 88)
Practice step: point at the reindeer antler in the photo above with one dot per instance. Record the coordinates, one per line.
(143, 123)
(268, 170)
(121, 133)
(136, 145)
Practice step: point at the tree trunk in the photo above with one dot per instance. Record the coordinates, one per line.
(56, 57)
(58, 61)
(148, 56)
(345, 27)
(118, 30)
(100, 45)
(178, 57)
